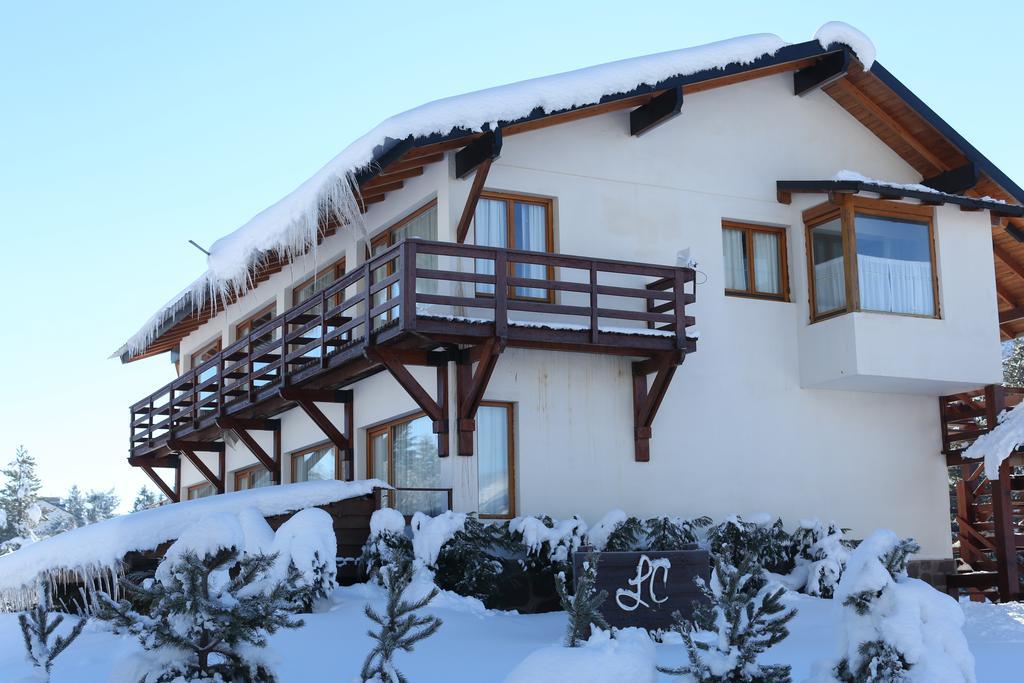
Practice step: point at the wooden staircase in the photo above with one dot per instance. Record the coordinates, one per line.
(989, 515)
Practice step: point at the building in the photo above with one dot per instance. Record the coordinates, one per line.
(503, 317)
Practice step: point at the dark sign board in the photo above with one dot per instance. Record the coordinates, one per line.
(646, 588)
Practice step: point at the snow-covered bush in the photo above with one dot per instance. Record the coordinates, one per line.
(739, 619)
(400, 627)
(895, 628)
(549, 544)
(820, 553)
(387, 546)
(584, 607)
(476, 561)
(758, 539)
(618, 532)
(211, 607)
(36, 629)
(307, 544)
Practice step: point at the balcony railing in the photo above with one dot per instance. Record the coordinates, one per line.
(458, 293)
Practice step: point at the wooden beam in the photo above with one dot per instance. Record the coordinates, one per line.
(1008, 261)
(1012, 315)
(470, 387)
(435, 410)
(826, 70)
(660, 109)
(318, 395)
(487, 147)
(845, 85)
(305, 398)
(469, 210)
(646, 401)
(161, 484)
(197, 446)
(218, 482)
(241, 428)
(956, 180)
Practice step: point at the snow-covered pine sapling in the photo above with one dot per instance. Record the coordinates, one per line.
(738, 620)
(760, 540)
(209, 615)
(819, 553)
(400, 627)
(668, 533)
(37, 627)
(387, 546)
(584, 607)
(471, 562)
(626, 536)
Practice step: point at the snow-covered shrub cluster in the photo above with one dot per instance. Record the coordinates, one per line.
(740, 618)
(387, 546)
(820, 553)
(760, 539)
(895, 628)
(211, 606)
(619, 532)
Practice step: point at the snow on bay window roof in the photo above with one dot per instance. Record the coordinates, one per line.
(97, 549)
(289, 227)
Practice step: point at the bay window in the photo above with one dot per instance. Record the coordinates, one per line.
(871, 255)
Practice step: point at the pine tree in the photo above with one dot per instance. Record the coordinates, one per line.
(207, 615)
(583, 608)
(101, 505)
(400, 628)
(626, 537)
(666, 533)
(18, 495)
(767, 545)
(1013, 363)
(145, 500)
(470, 563)
(36, 629)
(74, 503)
(738, 621)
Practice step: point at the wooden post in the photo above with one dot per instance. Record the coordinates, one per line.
(1002, 510)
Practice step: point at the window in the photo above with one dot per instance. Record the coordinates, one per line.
(755, 260)
(495, 460)
(200, 491)
(515, 222)
(314, 285)
(404, 453)
(254, 477)
(316, 464)
(201, 356)
(254, 321)
(871, 255)
(421, 224)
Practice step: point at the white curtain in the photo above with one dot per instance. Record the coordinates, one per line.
(735, 261)
(895, 285)
(531, 235)
(491, 230)
(315, 466)
(492, 460)
(829, 286)
(767, 278)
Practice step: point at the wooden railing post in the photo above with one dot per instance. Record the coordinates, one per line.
(407, 283)
(500, 293)
(195, 393)
(368, 304)
(679, 301)
(150, 432)
(323, 328)
(220, 384)
(595, 323)
(250, 363)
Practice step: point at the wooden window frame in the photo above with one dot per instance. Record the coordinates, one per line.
(213, 348)
(387, 236)
(245, 472)
(748, 230)
(510, 199)
(295, 455)
(846, 207)
(339, 270)
(196, 487)
(269, 308)
(510, 410)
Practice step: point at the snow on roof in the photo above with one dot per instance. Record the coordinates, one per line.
(853, 176)
(94, 549)
(289, 227)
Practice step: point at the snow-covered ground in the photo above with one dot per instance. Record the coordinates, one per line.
(475, 645)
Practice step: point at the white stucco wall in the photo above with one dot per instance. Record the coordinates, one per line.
(741, 429)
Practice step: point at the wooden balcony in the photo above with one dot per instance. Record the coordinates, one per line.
(420, 303)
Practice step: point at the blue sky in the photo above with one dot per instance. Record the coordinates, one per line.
(127, 129)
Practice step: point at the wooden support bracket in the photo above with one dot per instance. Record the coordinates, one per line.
(954, 181)
(828, 69)
(647, 400)
(217, 481)
(484, 149)
(435, 408)
(172, 494)
(241, 428)
(306, 398)
(470, 386)
(661, 108)
(468, 211)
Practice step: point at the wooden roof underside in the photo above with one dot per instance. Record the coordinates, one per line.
(874, 97)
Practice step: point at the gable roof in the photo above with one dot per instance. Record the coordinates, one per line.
(401, 146)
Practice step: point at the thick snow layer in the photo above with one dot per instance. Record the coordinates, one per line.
(629, 656)
(386, 520)
(289, 227)
(476, 645)
(860, 178)
(430, 533)
(101, 546)
(998, 444)
(306, 540)
(839, 32)
(598, 535)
